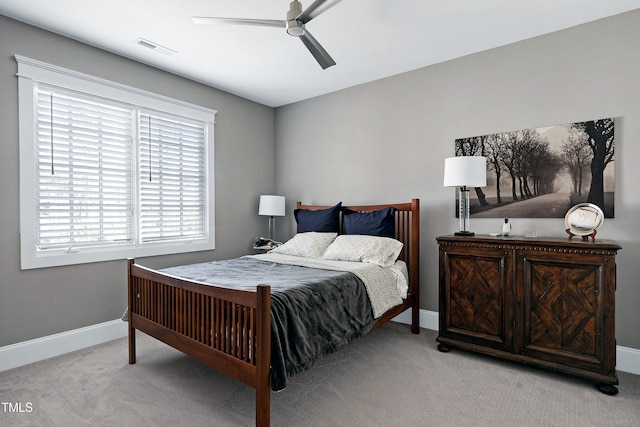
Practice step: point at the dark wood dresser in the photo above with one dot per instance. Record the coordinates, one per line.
(548, 302)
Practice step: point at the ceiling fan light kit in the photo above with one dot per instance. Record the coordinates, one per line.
(295, 28)
(294, 24)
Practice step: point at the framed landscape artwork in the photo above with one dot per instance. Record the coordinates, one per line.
(543, 172)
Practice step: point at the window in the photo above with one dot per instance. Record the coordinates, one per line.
(109, 171)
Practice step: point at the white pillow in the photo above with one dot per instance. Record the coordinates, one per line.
(382, 251)
(310, 245)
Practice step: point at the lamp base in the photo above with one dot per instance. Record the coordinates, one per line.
(464, 233)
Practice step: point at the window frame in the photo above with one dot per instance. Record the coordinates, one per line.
(31, 73)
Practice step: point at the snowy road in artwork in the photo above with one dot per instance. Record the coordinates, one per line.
(553, 205)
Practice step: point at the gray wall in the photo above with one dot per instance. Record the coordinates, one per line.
(42, 302)
(386, 141)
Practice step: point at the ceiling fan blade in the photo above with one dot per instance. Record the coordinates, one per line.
(240, 21)
(316, 8)
(318, 52)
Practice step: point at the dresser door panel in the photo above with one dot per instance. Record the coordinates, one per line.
(563, 309)
(477, 292)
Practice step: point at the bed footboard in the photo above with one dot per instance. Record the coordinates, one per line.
(227, 329)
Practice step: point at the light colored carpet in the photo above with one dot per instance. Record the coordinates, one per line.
(387, 378)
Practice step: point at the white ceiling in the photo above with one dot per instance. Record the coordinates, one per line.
(369, 39)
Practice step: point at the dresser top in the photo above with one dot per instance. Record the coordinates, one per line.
(564, 242)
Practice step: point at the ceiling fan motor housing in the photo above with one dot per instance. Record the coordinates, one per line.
(294, 27)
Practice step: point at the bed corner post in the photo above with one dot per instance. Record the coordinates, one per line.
(415, 263)
(263, 355)
(132, 330)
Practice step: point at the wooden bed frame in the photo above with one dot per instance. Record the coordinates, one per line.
(229, 329)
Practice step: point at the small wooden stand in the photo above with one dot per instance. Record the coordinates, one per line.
(585, 237)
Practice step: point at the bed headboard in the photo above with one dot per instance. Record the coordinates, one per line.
(407, 230)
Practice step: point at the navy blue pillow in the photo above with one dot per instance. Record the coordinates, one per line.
(375, 223)
(323, 220)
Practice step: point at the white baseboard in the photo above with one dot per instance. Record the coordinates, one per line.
(428, 319)
(23, 353)
(627, 359)
(15, 355)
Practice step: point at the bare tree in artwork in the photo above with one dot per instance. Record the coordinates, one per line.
(548, 166)
(511, 159)
(493, 151)
(601, 141)
(576, 157)
(533, 151)
(473, 146)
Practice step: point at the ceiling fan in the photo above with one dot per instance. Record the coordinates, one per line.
(295, 25)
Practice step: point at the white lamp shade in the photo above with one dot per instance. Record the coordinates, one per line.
(469, 171)
(271, 206)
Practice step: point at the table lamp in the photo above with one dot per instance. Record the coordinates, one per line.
(271, 206)
(463, 172)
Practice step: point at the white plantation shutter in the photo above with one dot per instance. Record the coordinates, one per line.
(84, 171)
(171, 178)
(108, 171)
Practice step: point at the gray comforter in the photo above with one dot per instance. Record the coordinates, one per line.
(314, 312)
